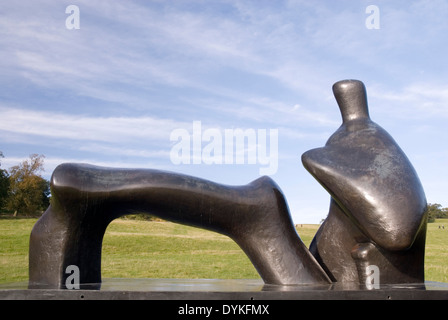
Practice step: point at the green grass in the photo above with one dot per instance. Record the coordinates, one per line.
(14, 241)
(154, 249)
(436, 258)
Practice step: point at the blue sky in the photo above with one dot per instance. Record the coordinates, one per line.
(112, 92)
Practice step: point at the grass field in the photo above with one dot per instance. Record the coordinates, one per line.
(154, 249)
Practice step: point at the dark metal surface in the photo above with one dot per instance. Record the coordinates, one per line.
(85, 199)
(377, 212)
(219, 289)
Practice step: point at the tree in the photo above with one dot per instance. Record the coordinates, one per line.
(28, 191)
(435, 211)
(4, 185)
(445, 213)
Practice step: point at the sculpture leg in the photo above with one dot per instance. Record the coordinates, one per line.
(85, 199)
(390, 267)
(333, 243)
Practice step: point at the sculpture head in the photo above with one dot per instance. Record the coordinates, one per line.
(368, 175)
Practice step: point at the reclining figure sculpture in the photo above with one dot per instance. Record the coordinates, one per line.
(377, 213)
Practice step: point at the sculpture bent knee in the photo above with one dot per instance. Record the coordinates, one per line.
(377, 211)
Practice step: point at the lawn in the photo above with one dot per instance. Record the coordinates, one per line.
(436, 258)
(156, 249)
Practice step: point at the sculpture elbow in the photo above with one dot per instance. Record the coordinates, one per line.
(399, 237)
(395, 242)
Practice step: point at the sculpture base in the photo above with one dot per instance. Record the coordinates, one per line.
(220, 289)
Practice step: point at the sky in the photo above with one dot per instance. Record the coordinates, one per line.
(160, 85)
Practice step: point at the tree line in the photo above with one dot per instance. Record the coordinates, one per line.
(23, 191)
(435, 211)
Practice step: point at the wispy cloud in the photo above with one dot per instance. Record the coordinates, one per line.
(74, 127)
(416, 100)
(127, 44)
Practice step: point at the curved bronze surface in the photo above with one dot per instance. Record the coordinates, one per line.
(377, 211)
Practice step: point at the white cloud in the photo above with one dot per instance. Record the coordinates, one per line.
(416, 100)
(75, 127)
(129, 44)
(124, 151)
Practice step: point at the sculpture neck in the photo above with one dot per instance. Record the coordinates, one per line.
(352, 99)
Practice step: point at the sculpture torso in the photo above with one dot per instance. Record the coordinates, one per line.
(377, 198)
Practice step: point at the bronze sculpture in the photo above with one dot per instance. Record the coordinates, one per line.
(377, 213)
